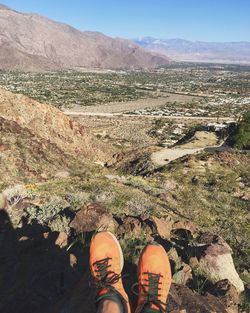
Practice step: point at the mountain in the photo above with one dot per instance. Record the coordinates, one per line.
(32, 42)
(184, 50)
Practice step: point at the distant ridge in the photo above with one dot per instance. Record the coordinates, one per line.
(4, 7)
(32, 42)
(184, 50)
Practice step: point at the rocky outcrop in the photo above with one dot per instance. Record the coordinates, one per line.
(184, 300)
(93, 217)
(216, 261)
(227, 294)
(51, 125)
(49, 276)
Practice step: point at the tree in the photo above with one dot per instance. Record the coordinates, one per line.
(241, 140)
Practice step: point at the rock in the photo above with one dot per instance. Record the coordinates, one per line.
(3, 201)
(144, 216)
(46, 235)
(173, 255)
(72, 260)
(246, 196)
(23, 238)
(169, 185)
(166, 196)
(183, 276)
(241, 185)
(183, 299)
(117, 178)
(116, 158)
(216, 261)
(186, 225)
(130, 225)
(162, 227)
(102, 164)
(193, 262)
(105, 196)
(227, 294)
(62, 240)
(62, 174)
(93, 217)
(195, 180)
(107, 223)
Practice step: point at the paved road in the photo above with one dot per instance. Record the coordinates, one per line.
(174, 117)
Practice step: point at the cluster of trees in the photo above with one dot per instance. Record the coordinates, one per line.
(241, 139)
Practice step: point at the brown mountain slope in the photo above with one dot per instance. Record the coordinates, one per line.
(27, 157)
(32, 42)
(51, 125)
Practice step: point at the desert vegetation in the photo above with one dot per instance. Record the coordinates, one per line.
(63, 179)
(241, 139)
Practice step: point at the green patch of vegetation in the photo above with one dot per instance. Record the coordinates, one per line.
(46, 213)
(199, 281)
(245, 301)
(241, 140)
(213, 200)
(133, 244)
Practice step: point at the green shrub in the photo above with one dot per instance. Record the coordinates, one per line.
(46, 213)
(241, 140)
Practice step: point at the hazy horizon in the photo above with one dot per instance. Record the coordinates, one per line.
(209, 21)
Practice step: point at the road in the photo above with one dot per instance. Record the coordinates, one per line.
(172, 117)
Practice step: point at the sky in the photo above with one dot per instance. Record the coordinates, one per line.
(204, 20)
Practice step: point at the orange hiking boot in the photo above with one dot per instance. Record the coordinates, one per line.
(154, 279)
(106, 264)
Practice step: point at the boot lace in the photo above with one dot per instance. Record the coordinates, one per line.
(105, 277)
(153, 293)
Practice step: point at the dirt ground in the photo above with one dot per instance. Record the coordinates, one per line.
(198, 143)
(123, 132)
(133, 131)
(117, 107)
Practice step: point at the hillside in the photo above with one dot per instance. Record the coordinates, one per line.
(198, 51)
(52, 125)
(31, 42)
(38, 142)
(46, 228)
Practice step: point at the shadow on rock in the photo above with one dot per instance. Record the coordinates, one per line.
(36, 275)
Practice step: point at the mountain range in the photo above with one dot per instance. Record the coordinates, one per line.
(32, 42)
(199, 51)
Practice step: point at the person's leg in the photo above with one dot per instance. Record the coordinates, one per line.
(154, 279)
(109, 306)
(106, 263)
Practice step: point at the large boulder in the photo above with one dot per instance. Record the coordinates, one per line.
(216, 261)
(183, 300)
(93, 217)
(162, 227)
(227, 294)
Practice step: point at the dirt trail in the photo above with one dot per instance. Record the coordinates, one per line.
(201, 141)
(167, 155)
